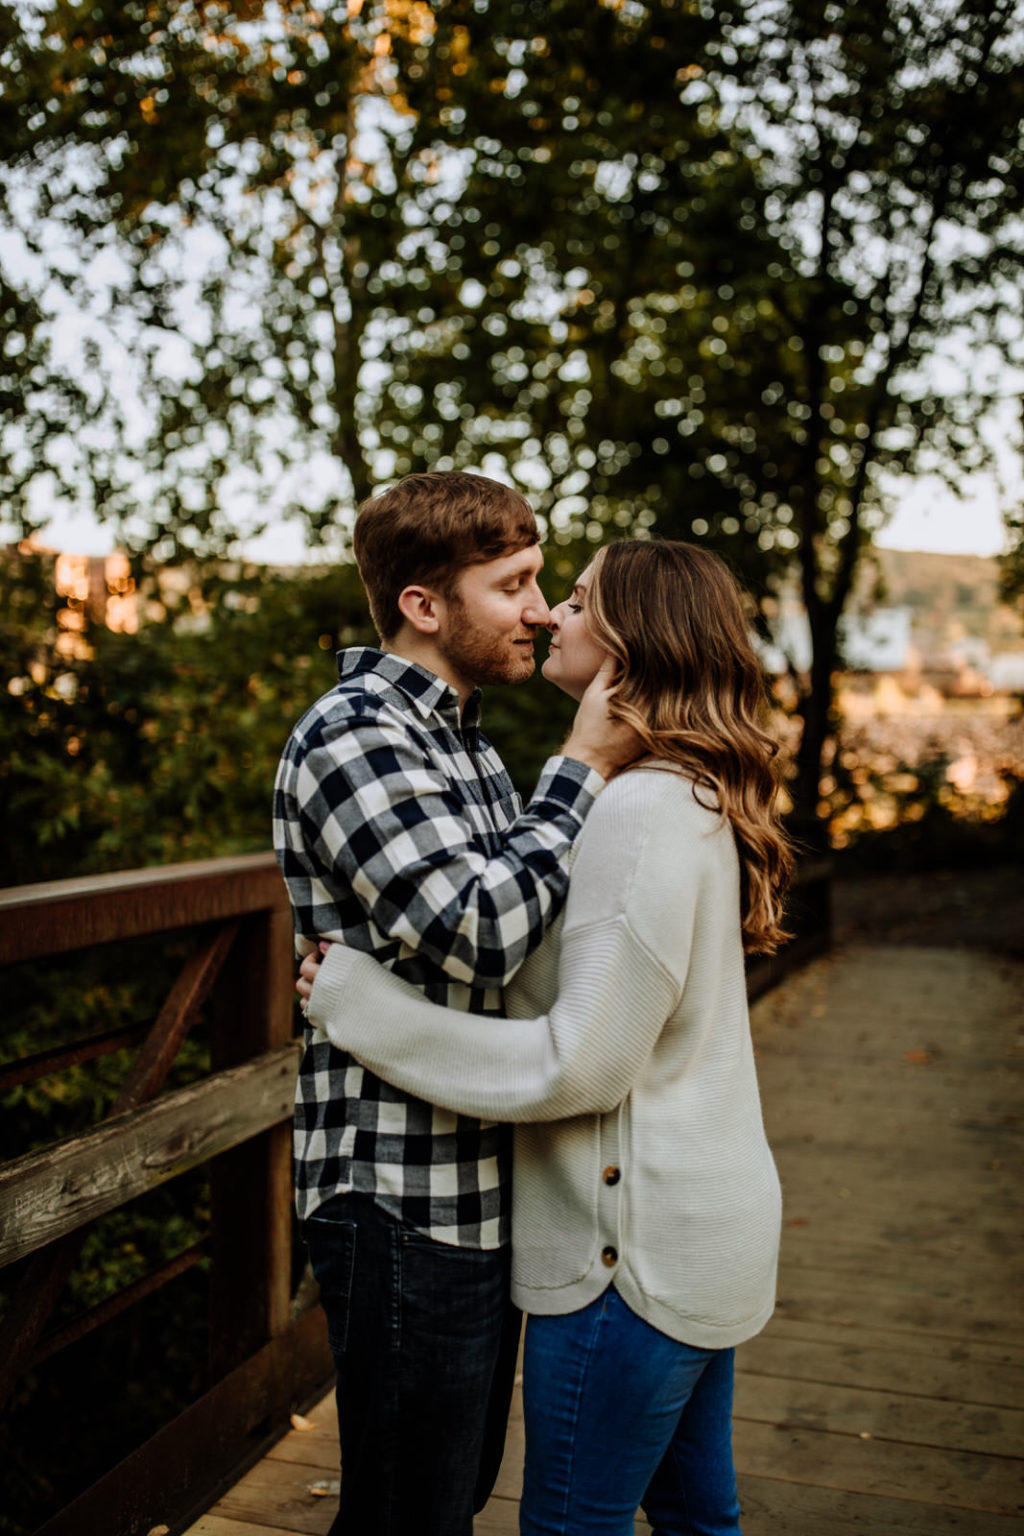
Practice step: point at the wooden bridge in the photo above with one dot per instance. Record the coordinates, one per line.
(886, 1395)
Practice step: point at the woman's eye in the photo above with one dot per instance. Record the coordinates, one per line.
(575, 607)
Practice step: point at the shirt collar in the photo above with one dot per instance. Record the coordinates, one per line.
(428, 693)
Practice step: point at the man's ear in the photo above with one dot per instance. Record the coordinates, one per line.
(421, 608)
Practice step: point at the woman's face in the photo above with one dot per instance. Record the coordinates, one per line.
(574, 656)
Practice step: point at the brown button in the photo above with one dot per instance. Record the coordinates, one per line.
(612, 1175)
(610, 1255)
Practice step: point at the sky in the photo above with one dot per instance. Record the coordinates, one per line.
(927, 516)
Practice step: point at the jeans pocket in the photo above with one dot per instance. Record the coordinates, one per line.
(332, 1253)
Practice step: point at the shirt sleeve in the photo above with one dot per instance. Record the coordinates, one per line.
(375, 808)
(581, 1058)
(622, 968)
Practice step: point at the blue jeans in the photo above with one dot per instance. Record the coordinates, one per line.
(424, 1339)
(618, 1416)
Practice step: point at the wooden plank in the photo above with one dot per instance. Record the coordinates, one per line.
(39, 1286)
(773, 1507)
(804, 1294)
(47, 1194)
(181, 1008)
(221, 1525)
(880, 1414)
(251, 1184)
(63, 915)
(954, 1276)
(499, 1518)
(978, 1373)
(278, 1493)
(900, 1311)
(167, 1480)
(923, 1474)
(319, 1452)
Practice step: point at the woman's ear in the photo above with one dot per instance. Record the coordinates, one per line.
(419, 607)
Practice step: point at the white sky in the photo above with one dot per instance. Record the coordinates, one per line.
(927, 516)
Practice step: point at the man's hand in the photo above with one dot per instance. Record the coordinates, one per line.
(307, 973)
(596, 739)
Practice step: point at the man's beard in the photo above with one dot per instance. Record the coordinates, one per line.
(479, 656)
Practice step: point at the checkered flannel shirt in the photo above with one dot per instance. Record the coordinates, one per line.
(399, 833)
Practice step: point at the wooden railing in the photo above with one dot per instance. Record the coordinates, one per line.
(239, 975)
(267, 1356)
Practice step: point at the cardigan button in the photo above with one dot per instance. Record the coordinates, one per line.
(612, 1175)
(609, 1256)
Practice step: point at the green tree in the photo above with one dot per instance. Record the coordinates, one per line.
(762, 266)
(154, 747)
(894, 183)
(673, 267)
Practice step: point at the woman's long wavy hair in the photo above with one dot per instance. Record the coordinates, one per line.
(692, 687)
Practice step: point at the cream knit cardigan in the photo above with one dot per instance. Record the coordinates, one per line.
(627, 1065)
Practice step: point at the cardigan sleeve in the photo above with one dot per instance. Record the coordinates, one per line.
(580, 1058)
(621, 972)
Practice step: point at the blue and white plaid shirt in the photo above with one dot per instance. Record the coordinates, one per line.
(399, 833)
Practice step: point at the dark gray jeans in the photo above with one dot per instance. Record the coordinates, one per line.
(424, 1339)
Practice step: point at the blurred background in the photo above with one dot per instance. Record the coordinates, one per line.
(744, 273)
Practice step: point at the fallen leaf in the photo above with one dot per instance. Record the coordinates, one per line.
(325, 1488)
(298, 1422)
(918, 1058)
(797, 1221)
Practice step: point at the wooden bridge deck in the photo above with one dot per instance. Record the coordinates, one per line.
(887, 1394)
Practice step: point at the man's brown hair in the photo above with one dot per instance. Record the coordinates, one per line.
(427, 529)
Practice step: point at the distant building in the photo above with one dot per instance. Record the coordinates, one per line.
(1005, 671)
(878, 641)
(97, 589)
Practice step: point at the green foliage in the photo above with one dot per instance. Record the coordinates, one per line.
(161, 745)
(673, 266)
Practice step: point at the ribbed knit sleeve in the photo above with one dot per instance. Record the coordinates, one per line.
(621, 971)
(578, 1059)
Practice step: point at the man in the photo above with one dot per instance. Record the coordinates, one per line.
(399, 833)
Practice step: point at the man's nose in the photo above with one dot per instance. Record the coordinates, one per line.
(536, 609)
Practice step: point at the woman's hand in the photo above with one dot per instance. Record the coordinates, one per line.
(307, 972)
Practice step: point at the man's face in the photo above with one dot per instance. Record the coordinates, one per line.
(491, 621)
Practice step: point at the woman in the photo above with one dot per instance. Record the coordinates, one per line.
(646, 1206)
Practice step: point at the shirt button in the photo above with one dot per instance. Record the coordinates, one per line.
(610, 1255)
(612, 1175)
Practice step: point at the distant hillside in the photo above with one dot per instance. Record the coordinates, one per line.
(948, 595)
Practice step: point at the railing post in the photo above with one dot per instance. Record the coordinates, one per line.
(251, 1186)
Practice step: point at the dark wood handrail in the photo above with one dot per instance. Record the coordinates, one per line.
(264, 1361)
(37, 921)
(45, 1195)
